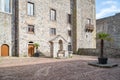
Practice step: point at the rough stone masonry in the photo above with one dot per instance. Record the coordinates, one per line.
(16, 39)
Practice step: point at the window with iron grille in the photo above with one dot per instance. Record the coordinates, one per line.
(31, 28)
(52, 31)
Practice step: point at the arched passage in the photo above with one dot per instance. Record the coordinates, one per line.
(4, 50)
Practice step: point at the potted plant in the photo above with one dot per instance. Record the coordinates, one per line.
(37, 52)
(102, 36)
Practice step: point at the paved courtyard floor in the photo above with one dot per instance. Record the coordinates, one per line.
(76, 68)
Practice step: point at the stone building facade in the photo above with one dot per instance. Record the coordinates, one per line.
(60, 27)
(109, 25)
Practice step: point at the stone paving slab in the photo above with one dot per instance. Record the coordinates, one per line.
(76, 68)
(19, 61)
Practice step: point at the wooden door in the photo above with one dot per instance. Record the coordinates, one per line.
(4, 50)
(30, 50)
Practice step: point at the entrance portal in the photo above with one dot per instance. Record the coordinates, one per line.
(30, 50)
(4, 50)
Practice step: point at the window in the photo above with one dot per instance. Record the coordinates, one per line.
(69, 18)
(88, 21)
(30, 28)
(89, 27)
(5, 6)
(69, 47)
(53, 14)
(30, 8)
(69, 32)
(52, 31)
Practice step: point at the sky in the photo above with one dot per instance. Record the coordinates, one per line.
(105, 8)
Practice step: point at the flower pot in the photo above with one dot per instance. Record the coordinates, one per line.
(36, 54)
(70, 55)
(102, 60)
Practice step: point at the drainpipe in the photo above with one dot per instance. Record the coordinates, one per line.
(74, 25)
(16, 26)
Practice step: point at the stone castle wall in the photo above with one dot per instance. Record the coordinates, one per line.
(111, 26)
(42, 23)
(85, 10)
(81, 10)
(6, 31)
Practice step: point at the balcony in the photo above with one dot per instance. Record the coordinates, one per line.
(89, 28)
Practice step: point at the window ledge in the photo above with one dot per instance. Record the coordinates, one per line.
(31, 15)
(6, 12)
(53, 20)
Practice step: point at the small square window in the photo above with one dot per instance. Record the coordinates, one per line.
(53, 15)
(30, 9)
(52, 31)
(30, 28)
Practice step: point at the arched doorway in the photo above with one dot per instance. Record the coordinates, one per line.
(60, 45)
(4, 50)
(30, 50)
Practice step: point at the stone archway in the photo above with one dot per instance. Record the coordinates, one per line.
(58, 47)
(4, 50)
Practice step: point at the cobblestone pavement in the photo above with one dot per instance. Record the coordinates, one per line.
(76, 68)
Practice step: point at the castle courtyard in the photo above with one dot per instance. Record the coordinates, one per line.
(76, 68)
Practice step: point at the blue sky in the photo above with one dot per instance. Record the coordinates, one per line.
(105, 8)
